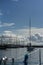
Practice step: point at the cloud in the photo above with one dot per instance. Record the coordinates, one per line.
(36, 38)
(36, 34)
(9, 33)
(6, 24)
(22, 35)
(23, 32)
(11, 37)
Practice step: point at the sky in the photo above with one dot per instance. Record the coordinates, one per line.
(16, 14)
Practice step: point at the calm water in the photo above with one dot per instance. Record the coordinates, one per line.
(18, 55)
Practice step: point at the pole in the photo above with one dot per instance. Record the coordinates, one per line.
(39, 56)
(30, 30)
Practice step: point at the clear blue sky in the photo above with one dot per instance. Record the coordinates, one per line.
(19, 11)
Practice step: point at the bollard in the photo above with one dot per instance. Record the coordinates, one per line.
(39, 56)
(0, 61)
(12, 61)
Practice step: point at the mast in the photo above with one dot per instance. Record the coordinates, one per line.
(30, 48)
(30, 31)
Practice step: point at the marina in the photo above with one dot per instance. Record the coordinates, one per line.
(21, 32)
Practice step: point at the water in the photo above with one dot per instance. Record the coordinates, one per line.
(18, 55)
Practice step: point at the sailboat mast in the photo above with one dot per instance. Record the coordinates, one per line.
(30, 30)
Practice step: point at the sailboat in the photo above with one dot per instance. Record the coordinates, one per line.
(30, 48)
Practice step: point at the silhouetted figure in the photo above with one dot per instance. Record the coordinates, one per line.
(0, 61)
(12, 61)
(4, 62)
(25, 59)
